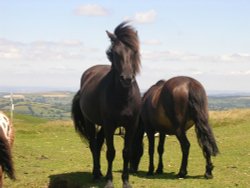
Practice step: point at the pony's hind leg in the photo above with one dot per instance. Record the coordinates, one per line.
(151, 145)
(207, 142)
(160, 152)
(185, 145)
(209, 165)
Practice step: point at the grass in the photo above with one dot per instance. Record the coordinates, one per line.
(50, 153)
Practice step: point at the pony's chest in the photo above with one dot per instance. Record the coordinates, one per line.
(124, 112)
(5, 125)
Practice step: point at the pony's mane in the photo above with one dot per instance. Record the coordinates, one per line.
(128, 36)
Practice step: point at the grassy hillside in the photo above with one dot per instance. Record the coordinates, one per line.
(51, 105)
(228, 102)
(50, 153)
(57, 105)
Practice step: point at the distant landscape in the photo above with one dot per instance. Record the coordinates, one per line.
(49, 105)
(57, 105)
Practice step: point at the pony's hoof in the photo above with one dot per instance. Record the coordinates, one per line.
(159, 171)
(208, 176)
(133, 170)
(97, 176)
(109, 184)
(182, 175)
(150, 173)
(126, 184)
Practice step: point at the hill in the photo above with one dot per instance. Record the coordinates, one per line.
(228, 102)
(50, 105)
(57, 105)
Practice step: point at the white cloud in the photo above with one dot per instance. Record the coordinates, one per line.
(9, 49)
(192, 57)
(152, 42)
(145, 17)
(241, 57)
(43, 50)
(169, 56)
(91, 10)
(240, 73)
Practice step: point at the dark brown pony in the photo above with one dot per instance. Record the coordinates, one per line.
(6, 142)
(172, 107)
(109, 97)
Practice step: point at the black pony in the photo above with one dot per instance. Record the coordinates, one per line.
(172, 107)
(109, 97)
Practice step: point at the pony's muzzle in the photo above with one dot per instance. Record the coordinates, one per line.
(127, 80)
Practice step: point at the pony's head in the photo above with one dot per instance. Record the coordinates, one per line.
(124, 53)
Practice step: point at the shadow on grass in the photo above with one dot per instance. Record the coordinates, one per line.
(168, 175)
(85, 179)
(74, 180)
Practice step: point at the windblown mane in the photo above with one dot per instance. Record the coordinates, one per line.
(128, 36)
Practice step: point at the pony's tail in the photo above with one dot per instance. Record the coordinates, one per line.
(137, 148)
(78, 117)
(5, 156)
(206, 139)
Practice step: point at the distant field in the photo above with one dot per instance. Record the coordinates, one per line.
(49, 152)
(57, 105)
(51, 105)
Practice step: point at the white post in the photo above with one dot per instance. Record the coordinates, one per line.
(11, 107)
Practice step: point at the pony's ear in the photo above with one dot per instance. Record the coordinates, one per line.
(111, 36)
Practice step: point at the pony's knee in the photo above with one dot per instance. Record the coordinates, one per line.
(125, 154)
(160, 150)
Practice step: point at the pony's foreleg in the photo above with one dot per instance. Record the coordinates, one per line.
(129, 134)
(151, 145)
(91, 131)
(160, 152)
(99, 143)
(185, 145)
(110, 154)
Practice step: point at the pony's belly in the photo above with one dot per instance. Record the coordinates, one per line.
(163, 122)
(189, 124)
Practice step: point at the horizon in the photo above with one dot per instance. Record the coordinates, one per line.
(49, 44)
(31, 90)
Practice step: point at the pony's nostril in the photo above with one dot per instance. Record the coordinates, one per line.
(126, 79)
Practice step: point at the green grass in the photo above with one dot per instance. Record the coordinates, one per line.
(51, 153)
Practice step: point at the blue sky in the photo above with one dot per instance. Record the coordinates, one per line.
(50, 43)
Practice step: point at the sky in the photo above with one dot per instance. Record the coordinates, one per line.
(50, 43)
